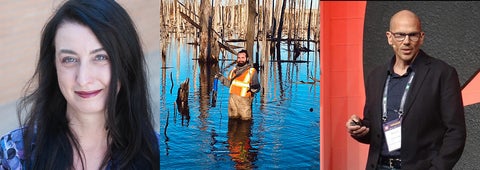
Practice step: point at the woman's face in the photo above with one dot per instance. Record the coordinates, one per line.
(83, 69)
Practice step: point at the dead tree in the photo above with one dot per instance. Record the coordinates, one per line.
(252, 13)
(182, 100)
(280, 27)
(206, 38)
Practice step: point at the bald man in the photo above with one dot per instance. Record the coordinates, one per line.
(413, 116)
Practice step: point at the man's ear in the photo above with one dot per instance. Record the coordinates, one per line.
(389, 38)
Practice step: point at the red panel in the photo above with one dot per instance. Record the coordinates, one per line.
(471, 92)
(342, 88)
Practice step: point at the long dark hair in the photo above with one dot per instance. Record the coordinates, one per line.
(132, 142)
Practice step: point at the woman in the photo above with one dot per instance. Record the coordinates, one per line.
(87, 104)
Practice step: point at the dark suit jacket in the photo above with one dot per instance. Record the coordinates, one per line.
(433, 127)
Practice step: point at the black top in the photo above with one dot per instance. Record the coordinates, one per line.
(396, 88)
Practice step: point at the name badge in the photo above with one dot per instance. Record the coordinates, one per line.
(393, 134)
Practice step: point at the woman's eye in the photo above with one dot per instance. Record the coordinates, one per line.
(101, 57)
(69, 60)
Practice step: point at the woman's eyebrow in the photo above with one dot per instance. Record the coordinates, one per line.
(97, 50)
(67, 51)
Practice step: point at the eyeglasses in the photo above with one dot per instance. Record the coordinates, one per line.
(400, 36)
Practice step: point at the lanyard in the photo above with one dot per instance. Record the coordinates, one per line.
(402, 102)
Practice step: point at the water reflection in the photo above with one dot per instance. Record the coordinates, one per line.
(207, 71)
(241, 151)
(285, 132)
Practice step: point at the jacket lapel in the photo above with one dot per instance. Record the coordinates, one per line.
(379, 88)
(421, 70)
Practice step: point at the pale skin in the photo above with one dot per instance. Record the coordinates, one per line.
(241, 58)
(405, 51)
(83, 70)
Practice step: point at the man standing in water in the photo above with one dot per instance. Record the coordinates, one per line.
(243, 83)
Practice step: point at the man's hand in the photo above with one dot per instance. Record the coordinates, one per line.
(355, 127)
(255, 88)
(223, 79)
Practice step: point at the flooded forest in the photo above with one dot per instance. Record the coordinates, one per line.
(200, 38)
(217, 24)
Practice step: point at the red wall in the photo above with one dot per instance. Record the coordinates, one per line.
(342, 88)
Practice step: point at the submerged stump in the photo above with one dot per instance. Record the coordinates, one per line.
(182, 100)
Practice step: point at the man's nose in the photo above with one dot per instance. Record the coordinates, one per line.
(406, 40)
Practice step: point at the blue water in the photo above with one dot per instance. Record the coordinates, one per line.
(283, 134)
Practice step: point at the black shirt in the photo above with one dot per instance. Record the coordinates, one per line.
(396, 88)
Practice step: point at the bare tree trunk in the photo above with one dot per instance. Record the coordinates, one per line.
(258, 23)
(290, 18)
(266, 26)
(231, 23)
(162, 19)
(204, 19)
(218, 14)
(163, 36)
(274, 22)
(266, 51)
(176, 18)
(206, 38)
(251, 9)
(280, 26)
(213, 40)
(308, 29)
(222, 17)
(163, 23)
(274, 26)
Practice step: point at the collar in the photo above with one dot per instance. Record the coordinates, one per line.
(410, 68)
(242, 68)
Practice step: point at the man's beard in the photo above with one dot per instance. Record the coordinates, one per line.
(241, 63)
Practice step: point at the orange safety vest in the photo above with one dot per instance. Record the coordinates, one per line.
(241, 85)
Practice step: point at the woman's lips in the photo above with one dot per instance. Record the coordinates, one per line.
(87, 94)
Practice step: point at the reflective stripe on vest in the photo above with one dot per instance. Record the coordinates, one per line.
(241, 84)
